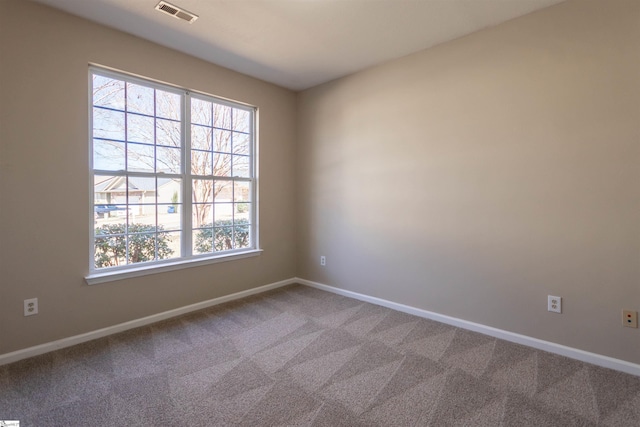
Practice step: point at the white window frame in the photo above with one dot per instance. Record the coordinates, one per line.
(187, 258)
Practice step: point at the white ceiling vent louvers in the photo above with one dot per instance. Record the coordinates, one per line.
(184, 16)
(166, 8)
(176, 12)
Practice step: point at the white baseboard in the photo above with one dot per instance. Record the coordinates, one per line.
(574, 353)
(77, 339)
(585, 356)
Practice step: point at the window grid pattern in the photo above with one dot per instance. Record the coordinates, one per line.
(147, 156)
(221, 201)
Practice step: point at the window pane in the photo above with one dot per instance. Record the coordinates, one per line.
(202, 214)
(168, 133)
(142, 190)
(141, 218)
(110, 219)
(201, 163)
(222, 141)
(223, 214)
(241, 236)
(241, 143)
(241, 191)
(169, 190)
(142, 247)
(169, 245)
(223, 191)
(241, 166)
(168, 105)
(140, 128)
(112, 228)
(200, 112)
(169, 217)
(223, 240)
(110, 251)
(221, 116)
(140, 158)
(203, 241)
(109, 190)
(140, 99)
(108, 155)
(242, 212)
(201, 137)
(108, 92)
(108, 124)
(241, 120)
(168, 160)
(202, 190)
(221, 164)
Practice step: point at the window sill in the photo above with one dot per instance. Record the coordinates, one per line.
(111, 276)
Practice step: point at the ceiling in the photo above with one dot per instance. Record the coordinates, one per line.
(298, 44)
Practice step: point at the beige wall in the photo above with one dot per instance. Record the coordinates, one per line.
(44, 191)
(471, 179)
(475, 178)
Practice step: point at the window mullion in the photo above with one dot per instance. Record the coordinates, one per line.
(187, 226)
(213, 182)
(253, 165)
(155, 174)
(126, 175)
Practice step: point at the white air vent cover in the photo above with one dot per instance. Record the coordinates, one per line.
(176, 12)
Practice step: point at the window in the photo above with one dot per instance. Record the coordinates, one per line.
(173, 175)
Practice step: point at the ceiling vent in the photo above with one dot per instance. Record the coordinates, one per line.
(176, 12)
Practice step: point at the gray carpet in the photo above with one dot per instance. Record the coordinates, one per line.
(297, 356)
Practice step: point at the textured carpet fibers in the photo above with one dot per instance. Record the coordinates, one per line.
(297, 356)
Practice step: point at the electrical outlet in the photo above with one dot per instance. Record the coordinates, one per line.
(630, 318)
(31, 306)
(554, 304)
(323, 260)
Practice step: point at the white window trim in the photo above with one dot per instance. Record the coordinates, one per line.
(108, 274)
(145, 269)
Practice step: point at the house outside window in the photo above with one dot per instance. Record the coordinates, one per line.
(173, 175)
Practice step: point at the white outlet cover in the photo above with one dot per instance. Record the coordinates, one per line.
(30, 306)
(554, 304)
